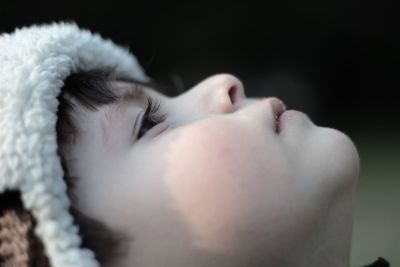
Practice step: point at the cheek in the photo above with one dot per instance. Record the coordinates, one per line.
(216, 181)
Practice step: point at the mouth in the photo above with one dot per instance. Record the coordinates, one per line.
(278, 107)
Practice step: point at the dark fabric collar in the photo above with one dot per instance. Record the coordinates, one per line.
(380, 262)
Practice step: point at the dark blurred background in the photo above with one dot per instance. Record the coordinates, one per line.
(336, 60)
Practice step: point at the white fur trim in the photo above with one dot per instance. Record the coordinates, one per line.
(34, 62)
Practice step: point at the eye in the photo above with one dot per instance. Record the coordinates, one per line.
(151, 117)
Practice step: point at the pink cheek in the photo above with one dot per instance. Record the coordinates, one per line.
(206, 177)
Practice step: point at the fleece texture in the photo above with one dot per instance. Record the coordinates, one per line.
(34, 62)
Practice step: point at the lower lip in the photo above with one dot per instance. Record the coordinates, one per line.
(286, 118)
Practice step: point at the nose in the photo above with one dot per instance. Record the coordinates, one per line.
(221, 93)
(224, 93)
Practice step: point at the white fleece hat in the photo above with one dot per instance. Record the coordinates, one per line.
(34, 62)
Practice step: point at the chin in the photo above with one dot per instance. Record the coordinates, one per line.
(342, 157)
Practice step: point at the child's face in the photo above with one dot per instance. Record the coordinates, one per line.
(215, 183)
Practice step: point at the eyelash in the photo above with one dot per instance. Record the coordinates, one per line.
(152, 115)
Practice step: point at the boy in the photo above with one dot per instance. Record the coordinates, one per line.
(206, 178)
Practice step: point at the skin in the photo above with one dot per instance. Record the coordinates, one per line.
(215, 185)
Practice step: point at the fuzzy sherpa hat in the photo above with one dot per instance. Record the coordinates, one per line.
(34, 62)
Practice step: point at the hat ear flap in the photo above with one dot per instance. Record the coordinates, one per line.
(19, 246)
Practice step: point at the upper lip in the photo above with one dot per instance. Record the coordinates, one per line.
(278, 107)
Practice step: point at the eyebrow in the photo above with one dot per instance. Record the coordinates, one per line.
(133, 92)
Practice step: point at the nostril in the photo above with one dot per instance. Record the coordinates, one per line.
(233, 94)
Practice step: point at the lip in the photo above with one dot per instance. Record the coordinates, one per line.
(278, 108)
